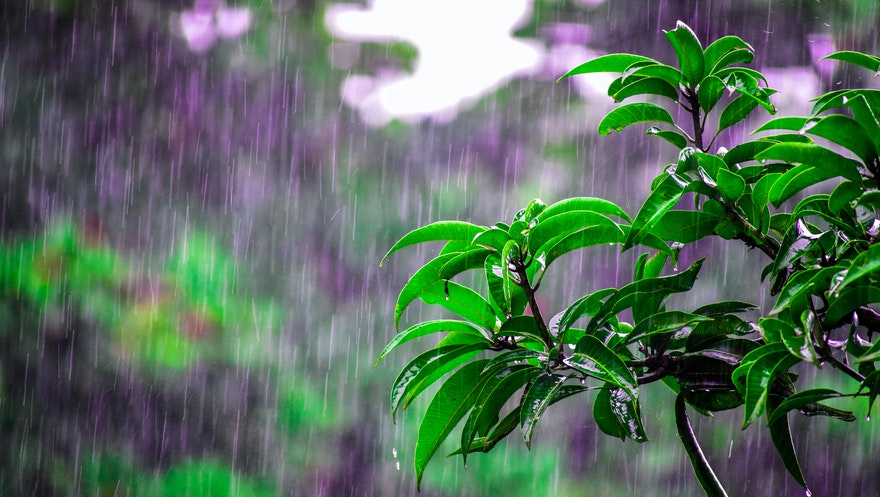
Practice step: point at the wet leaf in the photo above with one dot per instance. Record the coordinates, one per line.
(719, 53)
(673, 137)
(618, 62)
(605, 418)
(805, 400)
(689, 51)
(628, 414)
(663, 323)
(869, 62)
(538, 397)
(442, 230)
(453, 400)
(685, 226)
(426, 328)
(628, 114)
(593, 358)
(647, 86)
(737, 110)
(661, 199)
(781, 436)
(590, 204)
(463, 301)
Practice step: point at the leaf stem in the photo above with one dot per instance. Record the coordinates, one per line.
(520, 270)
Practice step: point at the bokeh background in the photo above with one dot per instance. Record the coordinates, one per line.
(195, 196)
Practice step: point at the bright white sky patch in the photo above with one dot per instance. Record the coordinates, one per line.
(465, 50)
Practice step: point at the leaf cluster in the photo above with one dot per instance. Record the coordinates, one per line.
(501, 364)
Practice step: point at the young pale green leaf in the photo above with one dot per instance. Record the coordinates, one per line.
(689, 51)
(463, 301)
(721, 48)
(426, 368)
(628, 114)
(605, 418)
(806, 400)
(428, 327)
(646, 86)
(538, 397)
(590, 204)
(736, 111)
(663, 323)
(491, 400)
(685, 226)
(673, 137)
(661, 199)
(710, 483)
(869, 62)
(453, 400)
(617, 62)
(593, 358)
(781, 436)
(442, 230)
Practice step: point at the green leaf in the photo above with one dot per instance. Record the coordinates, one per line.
(523, 326)
(816, 156)
(866, 116)
(685, 226)
(872, 384)
(539, 395)
(442, 230)
(628, 114)
(673, 137)
(805, 399)
(590, 204)
(736, 111)
(844, 98)
(426, 328)
(605, 418)
(617, 62)
(797, 179)
(720, 48)
(426, 276)
(724, 307)
(663, 323)
(626, 410)
(427, 368)
(463, 301)
(866, 263)
(593, 358)
(647, 294)
(453, 400)
(689, 51)
(848, 300)
(781, 436)
(746, 85)
(845, 132)
(756, 374)
(587, 305)
(661, 199)
(666, 74)
(471, 258)
(586, 237)
(798, 343)
(710, 483)
(803, 284)
(564, 224)
(843, 196)
(491, 400)
(709, 92)
(509, 254)
(493, 238)
(730, 185)
(646, 86)
(869, 62)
